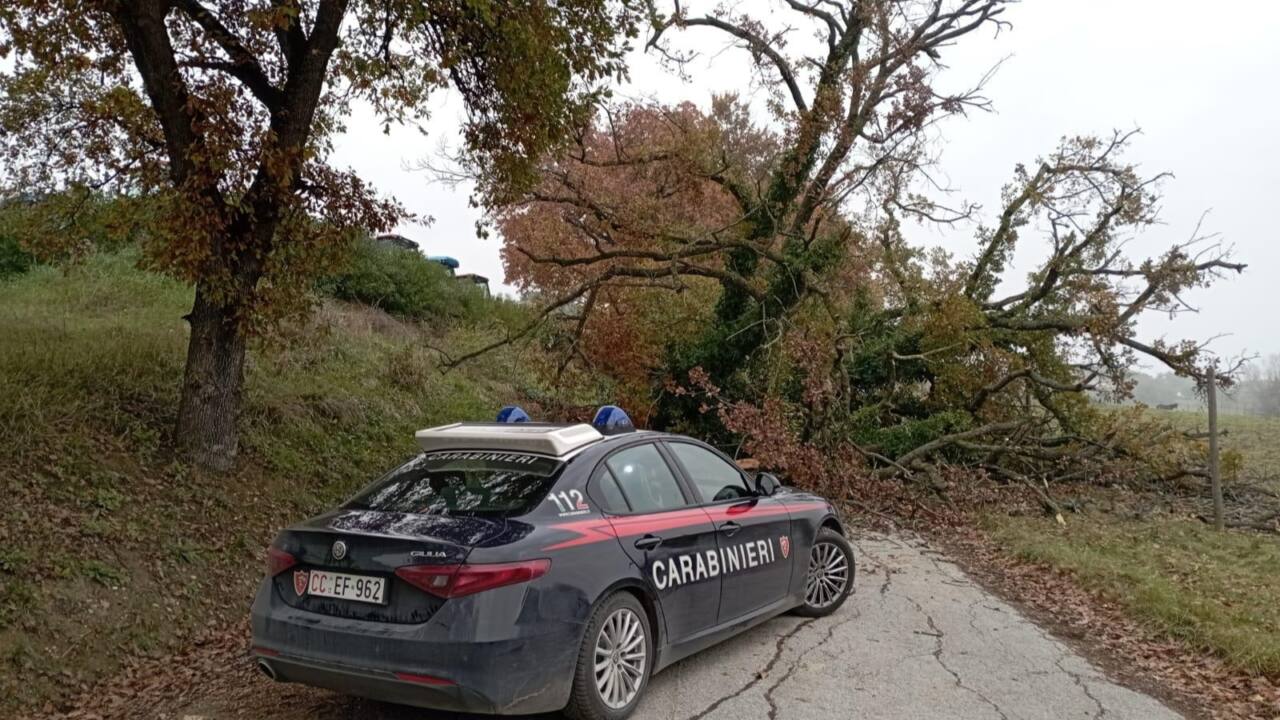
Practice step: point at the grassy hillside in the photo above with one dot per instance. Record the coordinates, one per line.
(108, 546)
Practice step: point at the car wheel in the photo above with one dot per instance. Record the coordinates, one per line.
(830, 577)
(615, 661)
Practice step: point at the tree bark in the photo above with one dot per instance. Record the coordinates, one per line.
(212, 386)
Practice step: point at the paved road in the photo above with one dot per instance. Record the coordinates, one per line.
(917, 640)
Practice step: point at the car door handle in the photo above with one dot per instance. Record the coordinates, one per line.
(648, 542)
(730, 528)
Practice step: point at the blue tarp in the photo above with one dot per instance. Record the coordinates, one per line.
(445, 260)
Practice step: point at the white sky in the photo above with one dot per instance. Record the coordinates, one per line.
(1198, 78)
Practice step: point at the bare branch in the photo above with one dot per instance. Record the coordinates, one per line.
(243, 65)
(753, 41)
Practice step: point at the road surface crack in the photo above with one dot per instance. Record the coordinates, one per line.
(1084, 687)
(932, 556)
(879, 565)
(831, 633)
(939, 638)
(761, 675)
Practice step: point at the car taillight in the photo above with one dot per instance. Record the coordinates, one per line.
(451, 581)
(278, 561)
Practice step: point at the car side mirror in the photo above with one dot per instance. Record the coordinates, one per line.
(767, 484)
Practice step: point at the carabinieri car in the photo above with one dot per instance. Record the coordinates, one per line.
(519, 567)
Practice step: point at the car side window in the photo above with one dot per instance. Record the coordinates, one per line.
(608, 494)
(645, 480)
(714, 477)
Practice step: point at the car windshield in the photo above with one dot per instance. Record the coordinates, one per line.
(462, 483)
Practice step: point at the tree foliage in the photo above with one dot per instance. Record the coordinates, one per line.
(620, 198)
(830, 343)
(223, 115)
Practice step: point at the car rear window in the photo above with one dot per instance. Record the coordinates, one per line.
(462, 483)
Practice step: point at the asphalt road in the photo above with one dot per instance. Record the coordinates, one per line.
(917, 640)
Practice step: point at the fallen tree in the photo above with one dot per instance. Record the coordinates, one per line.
(822, 339)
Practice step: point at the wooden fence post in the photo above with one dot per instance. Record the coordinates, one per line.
(1215, 478)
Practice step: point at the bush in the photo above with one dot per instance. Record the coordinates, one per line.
(403, 282)
(62, 228)
(13, 259)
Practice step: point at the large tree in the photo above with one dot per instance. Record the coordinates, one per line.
(222, 115)
(852, 109)
(831, 331)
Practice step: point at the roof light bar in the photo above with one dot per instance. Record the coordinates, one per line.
(554, 440)
(612, 420)
(512, 414)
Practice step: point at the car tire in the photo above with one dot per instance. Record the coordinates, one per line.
(622, 617)
(829, 578)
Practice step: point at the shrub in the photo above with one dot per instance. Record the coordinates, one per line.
(13, 259)
(403, 282)
(86, 222)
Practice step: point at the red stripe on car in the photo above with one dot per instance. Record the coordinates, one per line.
(594, 530)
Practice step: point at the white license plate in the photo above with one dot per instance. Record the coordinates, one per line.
(360, 588)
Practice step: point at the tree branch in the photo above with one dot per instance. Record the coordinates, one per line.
(754, 42)
(947, 440)
(243, 65)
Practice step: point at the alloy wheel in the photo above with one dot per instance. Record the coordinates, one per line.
(620, 658)
(828, 575)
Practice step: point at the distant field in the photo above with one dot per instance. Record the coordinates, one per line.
(1257, 439)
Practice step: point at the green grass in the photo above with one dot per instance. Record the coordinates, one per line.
(1255, 439)
(113, 547)
(1220, 592)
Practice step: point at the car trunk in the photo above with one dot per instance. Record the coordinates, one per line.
(374, 545)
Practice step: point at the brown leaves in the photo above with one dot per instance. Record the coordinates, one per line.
(631, 196)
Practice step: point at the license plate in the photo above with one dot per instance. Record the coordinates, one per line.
(360, 588)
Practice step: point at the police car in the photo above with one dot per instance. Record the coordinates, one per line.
(519, 567)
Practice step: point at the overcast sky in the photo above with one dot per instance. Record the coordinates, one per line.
(1198, 78)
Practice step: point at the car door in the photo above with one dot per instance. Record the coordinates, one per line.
(753, 533)
(664, 533)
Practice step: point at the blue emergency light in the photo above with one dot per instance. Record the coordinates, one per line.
(611, 420)
(512, 414)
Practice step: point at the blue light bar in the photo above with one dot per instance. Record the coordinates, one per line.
(611, 420)
(512, 414)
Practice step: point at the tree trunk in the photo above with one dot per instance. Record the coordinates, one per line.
(209, 409)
